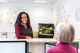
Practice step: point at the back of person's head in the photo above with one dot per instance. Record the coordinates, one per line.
(66, 32)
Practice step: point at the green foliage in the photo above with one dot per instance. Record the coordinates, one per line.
(45, 30)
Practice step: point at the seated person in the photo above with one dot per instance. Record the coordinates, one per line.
(64, 34)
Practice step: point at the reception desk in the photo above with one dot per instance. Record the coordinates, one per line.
(37, 43)
(34, 40)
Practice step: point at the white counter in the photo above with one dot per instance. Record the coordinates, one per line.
(35, 40)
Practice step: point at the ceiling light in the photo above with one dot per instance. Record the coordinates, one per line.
(40, 1)
(3, 1)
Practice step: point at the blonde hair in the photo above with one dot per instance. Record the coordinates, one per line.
(66, 32)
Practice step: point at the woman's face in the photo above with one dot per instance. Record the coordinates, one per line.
(24, 18)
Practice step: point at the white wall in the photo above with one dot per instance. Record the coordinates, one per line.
(39, 13)
(71, 6)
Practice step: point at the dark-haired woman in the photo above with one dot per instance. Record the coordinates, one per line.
(23, 29)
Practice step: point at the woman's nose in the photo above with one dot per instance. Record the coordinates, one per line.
(24, 18)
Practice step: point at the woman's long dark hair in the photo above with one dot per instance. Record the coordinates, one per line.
(19, 22)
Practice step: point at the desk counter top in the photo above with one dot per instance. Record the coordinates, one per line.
(35, 40)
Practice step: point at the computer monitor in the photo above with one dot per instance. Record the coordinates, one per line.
(75, 45)
(13, 47)
(49, 46)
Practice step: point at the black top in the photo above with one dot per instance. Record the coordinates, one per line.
(26, 32)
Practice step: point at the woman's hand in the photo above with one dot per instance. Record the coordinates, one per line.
(27, 37)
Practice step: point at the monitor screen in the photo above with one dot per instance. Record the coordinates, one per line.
(13, 47)
(48, 46)
(75, 45)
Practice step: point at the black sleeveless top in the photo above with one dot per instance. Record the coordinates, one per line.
(26, 32)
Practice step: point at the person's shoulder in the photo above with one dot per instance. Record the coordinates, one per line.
(50, 51)
(74, 49)
(16, 25)
(30, 27)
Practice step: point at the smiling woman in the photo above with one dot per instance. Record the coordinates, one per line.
(23, 29)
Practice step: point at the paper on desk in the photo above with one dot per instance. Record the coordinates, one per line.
(31, 46)
(36, 47)
(79, 50)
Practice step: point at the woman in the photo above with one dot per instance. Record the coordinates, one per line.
(23, 29)
(64, 34)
